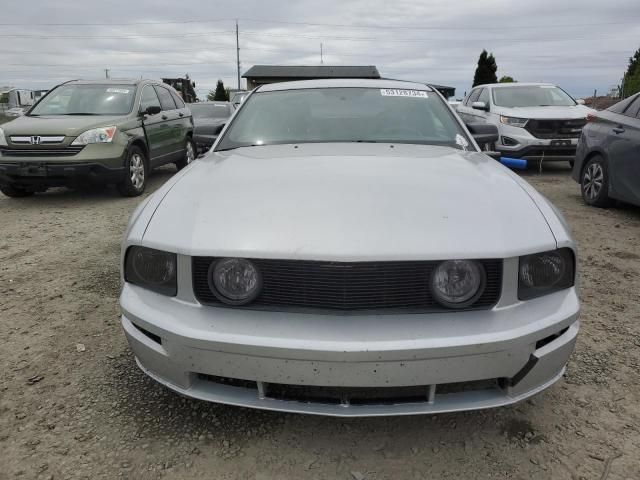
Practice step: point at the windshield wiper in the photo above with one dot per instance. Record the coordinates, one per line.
(80, 113)
(242, 146)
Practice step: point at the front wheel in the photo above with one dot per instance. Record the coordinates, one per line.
(594, 183)
(135, 178)
(189, 155)
(14, 191)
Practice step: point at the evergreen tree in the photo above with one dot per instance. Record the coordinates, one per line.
(486, 70)
(507, 79)
(220, 94)
(632, 77)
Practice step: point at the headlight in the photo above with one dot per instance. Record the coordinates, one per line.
(97, 135)
(235, 281)
(151, 269)
(458, 283)
(547, 272)
(3, 141)
(513, 121)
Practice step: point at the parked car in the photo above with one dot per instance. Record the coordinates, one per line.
(209, 118)
(352, 252)
(107, 131)
(608, 158)
(536, 121)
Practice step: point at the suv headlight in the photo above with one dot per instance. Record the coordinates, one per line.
(3, 140)
(458, 283)
(96, 135)
(513, 121)
(152, 269)
(547, 272)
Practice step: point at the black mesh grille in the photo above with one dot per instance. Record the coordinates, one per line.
(42, 152)
(556, 128)
(348, 287)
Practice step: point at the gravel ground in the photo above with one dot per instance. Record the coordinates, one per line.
(73, 404)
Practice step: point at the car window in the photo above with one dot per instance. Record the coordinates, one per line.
(177, 99)
(87, 99)
(531, 96)
(621, 106)
(634, 109)
(165, 99)
(473, 96)
(338, 115)
(484, 96)
(148, 98)
(210, 110)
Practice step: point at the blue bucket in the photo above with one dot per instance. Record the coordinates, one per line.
(517, 163)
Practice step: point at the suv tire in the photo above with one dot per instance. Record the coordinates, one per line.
(594, 183)
(15, 192)
(189, 155)
(136, 172)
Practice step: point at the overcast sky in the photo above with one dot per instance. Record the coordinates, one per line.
(581, 45)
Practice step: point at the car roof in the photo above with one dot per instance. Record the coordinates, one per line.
(343, 83)
(516, 84)
(210, 102)
(113, 81)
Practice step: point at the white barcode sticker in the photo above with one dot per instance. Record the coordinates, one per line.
(117, 90)
(396, 92)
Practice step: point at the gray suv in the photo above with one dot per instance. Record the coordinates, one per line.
(536, 121)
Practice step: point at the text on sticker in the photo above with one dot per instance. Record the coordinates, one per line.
(395, 92)
(117, 90)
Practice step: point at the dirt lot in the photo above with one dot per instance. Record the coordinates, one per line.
(74, 405)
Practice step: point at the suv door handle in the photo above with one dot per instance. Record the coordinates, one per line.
(181, 114)
(164, 117)
(618, 129)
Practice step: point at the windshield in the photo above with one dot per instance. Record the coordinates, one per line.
(209, 110)
(91, 99)
(343, 115)
(531, 96)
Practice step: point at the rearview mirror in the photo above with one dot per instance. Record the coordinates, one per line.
(480, 106)
(152, 110)
(483, 133)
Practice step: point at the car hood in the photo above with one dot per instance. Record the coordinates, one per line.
(547, 113)
(348, 202)
(68, 125)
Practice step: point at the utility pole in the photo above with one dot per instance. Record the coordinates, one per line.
(238, 53)
(321, 59)
(106, 73)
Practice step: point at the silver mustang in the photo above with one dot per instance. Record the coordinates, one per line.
(346, 249)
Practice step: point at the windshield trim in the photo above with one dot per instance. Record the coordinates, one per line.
(471, 144)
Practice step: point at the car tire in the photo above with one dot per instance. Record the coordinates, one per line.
(136, 172)
(190, 154)
(15, 192)
(594, 183)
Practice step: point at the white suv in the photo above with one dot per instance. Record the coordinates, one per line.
(536, 121)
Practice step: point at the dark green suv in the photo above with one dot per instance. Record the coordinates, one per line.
(108, 131)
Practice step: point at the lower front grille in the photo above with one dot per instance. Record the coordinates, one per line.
(346, 286)
(42, 152)
(352, 395)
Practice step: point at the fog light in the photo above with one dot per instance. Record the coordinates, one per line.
(235, 281)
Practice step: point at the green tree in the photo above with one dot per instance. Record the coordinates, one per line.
(220, 95)
(632, 76)
(507, 79)
(486, 69)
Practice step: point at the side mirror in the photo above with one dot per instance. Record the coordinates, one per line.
(480, 106)
(483, 133)
(152, 110)
(580, 101)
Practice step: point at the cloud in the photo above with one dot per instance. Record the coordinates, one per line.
(580, 45)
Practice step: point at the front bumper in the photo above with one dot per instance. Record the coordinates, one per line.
(358, 365)
(529, 147)
(45, 174)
